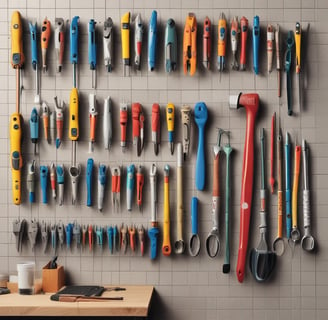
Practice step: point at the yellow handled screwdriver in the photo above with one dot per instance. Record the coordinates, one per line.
(170, 124)
(15, 127)
(125, 39)
(298, 37)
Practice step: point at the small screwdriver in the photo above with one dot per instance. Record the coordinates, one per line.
(34, 128)
(170, 124)
(92, 45)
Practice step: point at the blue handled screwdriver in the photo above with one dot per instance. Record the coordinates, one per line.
(152, 41)
(44, 183)
(89, 181)
(74, 37)
(256, 43)
(34, 128)
(92, 49)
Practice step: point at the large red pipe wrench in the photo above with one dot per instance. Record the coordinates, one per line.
(250, 102)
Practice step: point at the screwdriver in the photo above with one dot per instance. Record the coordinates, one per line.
(298, 39)
(256, 43)
(170, 124)
(59, 42)
(222, 31)
(278, 61)
(244, 31)
(17, 61)
(125, 39)
(92, 46)
(74, 37)
(34, 128)
(35, 63)
(156, 126)
(270, 39)
(45, 36)
(93, 120)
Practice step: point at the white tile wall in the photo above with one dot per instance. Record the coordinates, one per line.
(186, 287)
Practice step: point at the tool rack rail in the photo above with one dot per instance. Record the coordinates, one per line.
(135, 304)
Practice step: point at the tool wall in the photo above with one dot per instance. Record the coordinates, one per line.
(188, 284)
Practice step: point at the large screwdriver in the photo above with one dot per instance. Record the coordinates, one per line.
(16, 119)
(298, 38)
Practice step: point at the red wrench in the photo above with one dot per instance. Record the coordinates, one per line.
(250, 102)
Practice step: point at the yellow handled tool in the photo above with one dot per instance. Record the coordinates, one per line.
(74, 115)
(170, 124)
(17, 55)
(125, 39)
(298, 38)
(16, 160)
(166, 248)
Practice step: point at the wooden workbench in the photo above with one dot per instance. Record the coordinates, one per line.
(136, 303)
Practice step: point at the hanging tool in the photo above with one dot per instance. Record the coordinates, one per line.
(107, 123)
(89, 176)
(52, 126)
(59, 121)
(141, 239)
(69, 235)
(44, 236)
(124, 238)
(32, 232)
(207, 43)
(35, 61)
(125, 39)
(140, 184)
(132, 235)
(53, 180)
(116, 188)
(288, 64)
(186, 125)
(270, 39)
(227, 149)
(75, 169)
(190, 45)
(201, 115)
(92, 50)
(288, 194)
(45, 37)
(74, 41)
(44, 183)
(278, 62)
(194, 242)
(99, 236)
(179, 244)
(298, 46)
(31, 181)
(53, 231)
(308, 241)
(115, 238)
(261, 260)
(156, 126)
(59, 42)
(19, 227)
(138, 34)
(279, 244)
(61, 233)
(123, 124)
(138, 119)
(243, 48)
(273, 129)
(234, 30)
(171, 46)
(222, 39)
(256, 43)
(93, 114)
(295, 233)
(166, 246)
(90, 237)
(152, 41)
(250, 102)
(153, 232)
(213, 239)
(110, 239)
(130, 182)
(60, 182)
(34, 128)
(45, 120)
(108, 44)
(77, 234)
(170, 124)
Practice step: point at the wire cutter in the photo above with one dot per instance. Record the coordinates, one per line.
(190, 45)
(116, 188)
(171, 51)
(138, 127)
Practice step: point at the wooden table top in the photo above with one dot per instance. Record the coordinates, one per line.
(136, 302)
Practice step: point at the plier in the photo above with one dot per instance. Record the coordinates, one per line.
(190, 45)
(138, 127)
(116, 188)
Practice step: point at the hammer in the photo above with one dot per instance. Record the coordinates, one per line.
(250, 102)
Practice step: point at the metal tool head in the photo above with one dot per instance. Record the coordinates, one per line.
(262, 263)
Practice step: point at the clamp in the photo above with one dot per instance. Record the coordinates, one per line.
(171, 47)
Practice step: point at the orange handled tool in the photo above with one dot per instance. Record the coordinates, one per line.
(93, 120)
(207, 43)
(156, 126)
(222, 39)
(190, 45)
(123, 123)
(244, 31)
(45, 36)
(140, 183)
(166, 247)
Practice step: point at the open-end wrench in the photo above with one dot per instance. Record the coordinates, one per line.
(308, 241)
(201, 115)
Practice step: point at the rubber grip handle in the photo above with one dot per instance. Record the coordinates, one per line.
(89, 182)
(92, 48)
(256, 44)
(200, 160)
(74, 38)
(125, 36)
(152, 41)
(166, 248)
(194, 215)
(279, 234)
(244, 31)
(153, 236)
(34, 48)
(44, 183)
